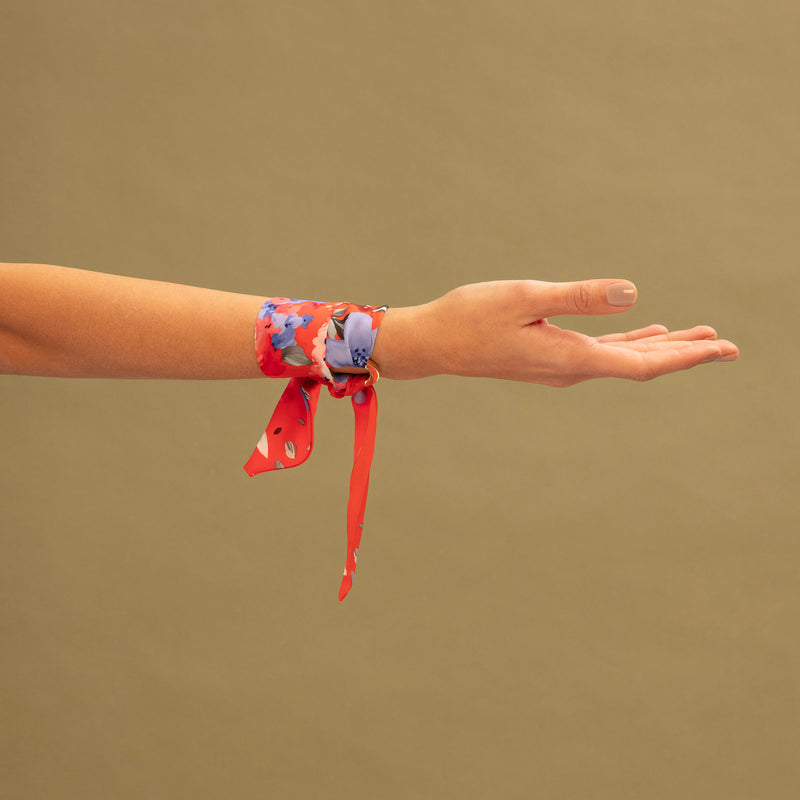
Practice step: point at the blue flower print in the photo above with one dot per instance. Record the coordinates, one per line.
(288, 323)
(359, 339)
(267, 310)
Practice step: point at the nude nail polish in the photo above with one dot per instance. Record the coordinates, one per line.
(621, 294)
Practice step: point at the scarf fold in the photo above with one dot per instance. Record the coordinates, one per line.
(306, 340)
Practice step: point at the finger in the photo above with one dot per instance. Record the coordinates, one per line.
(640, 333)
(730, 352)
(644, 365)
(649, 345)
(646, 346)
(598, 296)
(688, 335)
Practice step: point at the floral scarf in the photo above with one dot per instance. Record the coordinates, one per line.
(307, 341)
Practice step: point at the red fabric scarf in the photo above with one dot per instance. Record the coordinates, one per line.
(294, 339)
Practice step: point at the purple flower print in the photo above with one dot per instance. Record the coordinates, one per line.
(287, 324)
(267, 310)
(356, 348)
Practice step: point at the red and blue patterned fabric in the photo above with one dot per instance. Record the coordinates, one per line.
(307, 341)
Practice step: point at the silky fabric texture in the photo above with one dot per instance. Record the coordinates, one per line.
(307, 341)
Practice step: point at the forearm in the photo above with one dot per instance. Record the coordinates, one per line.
(64, 322)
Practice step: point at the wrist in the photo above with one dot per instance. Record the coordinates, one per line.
(403, 347)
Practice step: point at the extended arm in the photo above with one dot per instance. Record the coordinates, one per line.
(58, 321)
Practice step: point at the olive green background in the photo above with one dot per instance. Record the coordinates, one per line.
(563, 593)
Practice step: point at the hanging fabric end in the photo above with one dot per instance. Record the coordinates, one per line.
(347, 584)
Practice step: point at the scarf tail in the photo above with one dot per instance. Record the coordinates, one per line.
(289, 436)
(365, 409)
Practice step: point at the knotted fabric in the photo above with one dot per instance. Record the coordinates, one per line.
(307, 341)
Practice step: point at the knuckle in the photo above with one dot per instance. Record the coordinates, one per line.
(580, 298)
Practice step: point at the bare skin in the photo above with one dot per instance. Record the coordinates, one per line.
(63, 322)
(522, 344)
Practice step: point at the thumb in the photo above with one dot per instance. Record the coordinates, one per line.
(598, 296)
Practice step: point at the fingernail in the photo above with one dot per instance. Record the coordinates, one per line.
(714, 357)
(621, 294)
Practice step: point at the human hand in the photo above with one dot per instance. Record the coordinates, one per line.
(501, 329)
